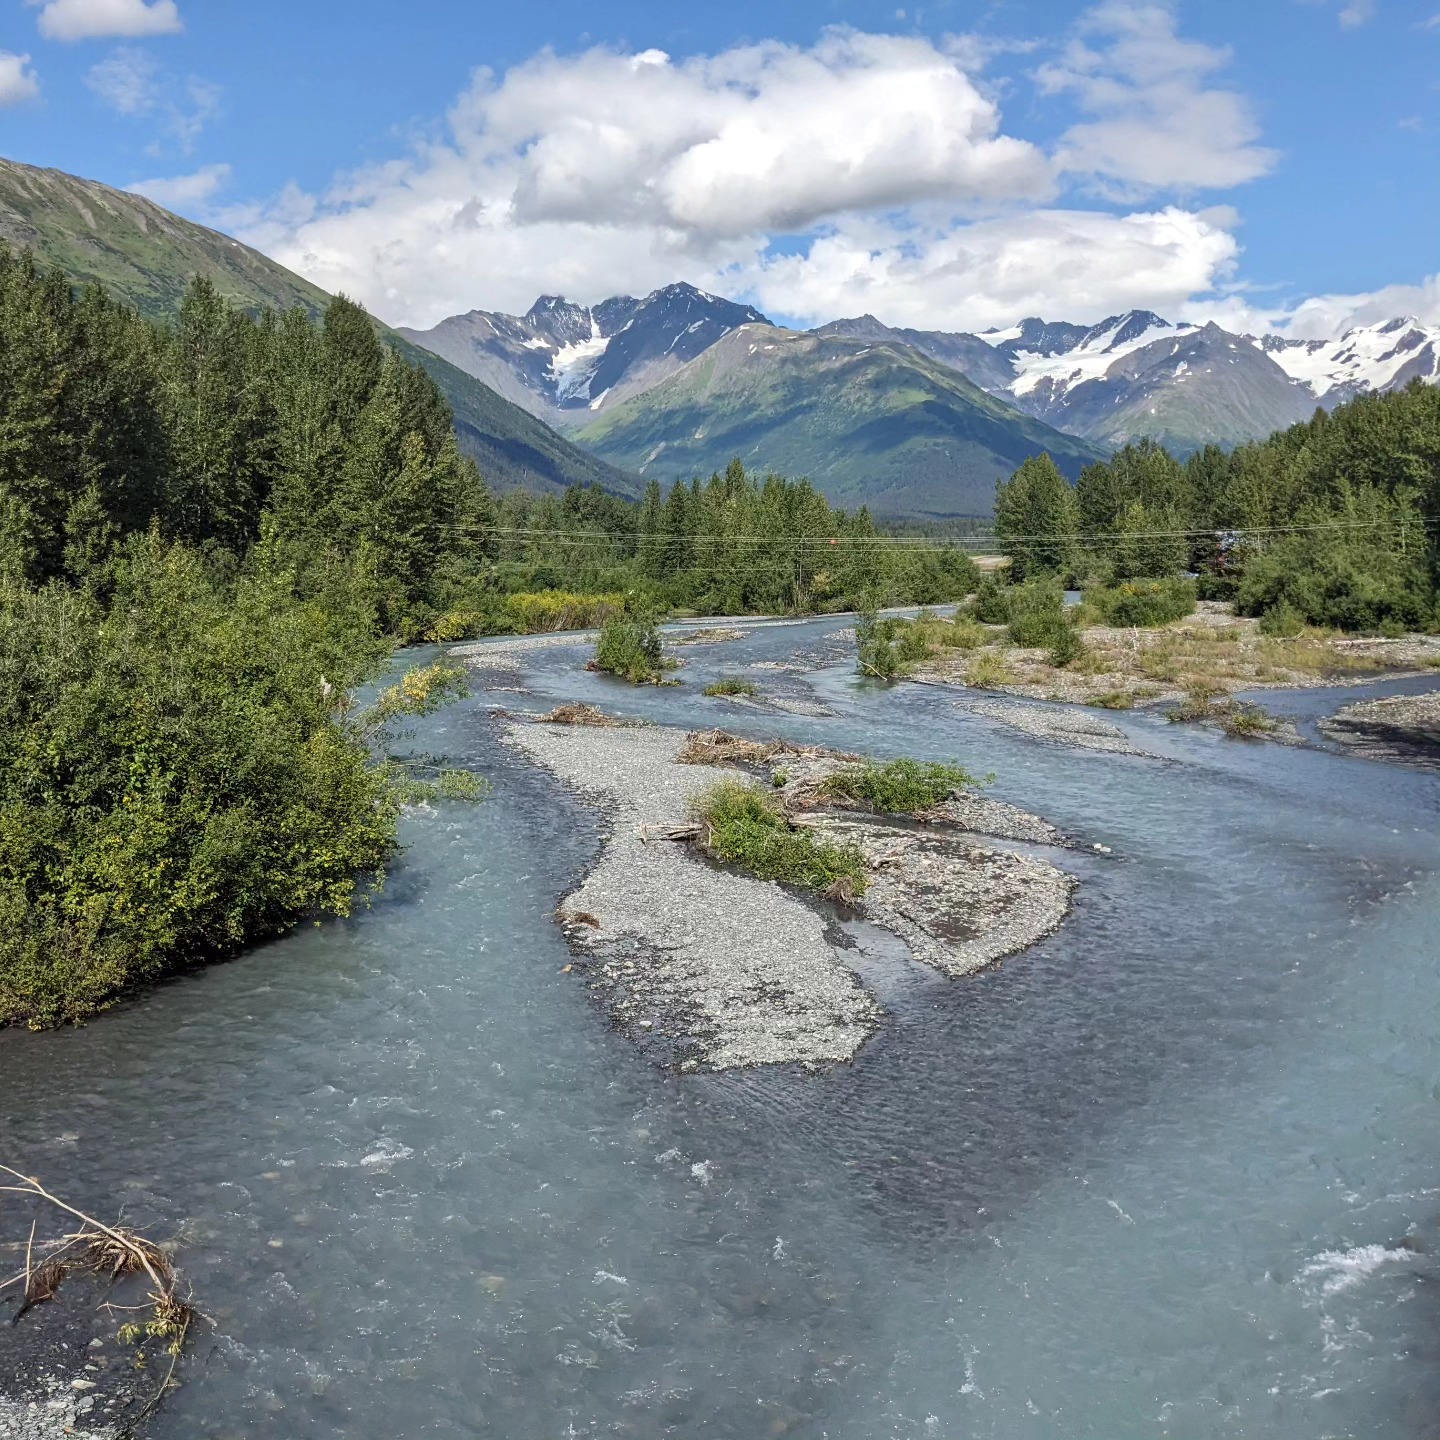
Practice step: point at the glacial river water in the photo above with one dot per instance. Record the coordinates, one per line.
(1148, 1179)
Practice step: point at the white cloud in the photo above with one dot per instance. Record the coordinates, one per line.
(95, 19)
(1357, 12)
(1077, 264)
(126, 80)
(1156, 122)
(866, 172)
(17, 79)
(185, 192)
(1322, 316)
(130, 81)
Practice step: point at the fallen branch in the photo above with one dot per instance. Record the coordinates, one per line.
(111, 1252)
(668, 832)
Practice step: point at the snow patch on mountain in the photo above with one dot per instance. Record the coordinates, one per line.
(572, 367)
(1092, 358)
(1369, 357)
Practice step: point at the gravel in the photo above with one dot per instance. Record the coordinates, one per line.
(59, 1414)
(1064, 727)
(983, 816)
(959, 906)
(706, 966)
(730, 970)
(1403, 727)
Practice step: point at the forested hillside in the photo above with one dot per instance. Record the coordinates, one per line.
(205, 532)
(1335, 521)
(145, 256)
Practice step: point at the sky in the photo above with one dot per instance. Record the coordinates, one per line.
(1269, 164)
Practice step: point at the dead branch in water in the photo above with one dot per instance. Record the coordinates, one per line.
(110, 1252)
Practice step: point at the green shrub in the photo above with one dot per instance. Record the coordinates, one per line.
(988, 670)
(1356, 575)
(544, 611)
(182, 773)
(731, 685)
(1282, 620)
(1065, 648)
(1114, 700)
(1037, 614)
(1244, 720)
(746, 826)
(898, 787)
(963, 634)
(875, 654)
(630, 646)
(991, 605)
(1143, 603)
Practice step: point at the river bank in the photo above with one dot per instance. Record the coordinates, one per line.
(1212, 650)
(1400, 728)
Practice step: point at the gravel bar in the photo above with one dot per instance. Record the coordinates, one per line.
(734, 971)
(1403, 728)
(1061, 726)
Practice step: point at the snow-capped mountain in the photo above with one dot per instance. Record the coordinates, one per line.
(1371, 357)
(1186, 385)
(562, 361)
(1132, 375)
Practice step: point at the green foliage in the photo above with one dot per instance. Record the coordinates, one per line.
(745, 825)
(1338, 518)
(1243, 720)
(1037, 614)
(899, 787)
(991, 605)
(1282, 620)
(1143, 603)
(1365, 571)
(182, 772)
(1114, 700)
(731, 685)
(1066, 647)
(552, 610)
(630, 645)
(874, 650)
(1036, 518)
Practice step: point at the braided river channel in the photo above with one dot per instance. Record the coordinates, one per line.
(1173, 1171)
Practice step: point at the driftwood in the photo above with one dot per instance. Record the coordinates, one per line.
(689, 831)
(110, 1252)
(578, 714)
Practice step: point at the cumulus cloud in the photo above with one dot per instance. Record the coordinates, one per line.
(863, 172)
(185, 192)
(17, 79)
(1079, 264)
(1322, 316)
(96, 19)
(1156, 121)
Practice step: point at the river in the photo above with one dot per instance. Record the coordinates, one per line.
(1147, 1179)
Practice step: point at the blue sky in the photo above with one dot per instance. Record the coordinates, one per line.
(1272, 164)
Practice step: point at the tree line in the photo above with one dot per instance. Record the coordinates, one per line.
(1336, 519)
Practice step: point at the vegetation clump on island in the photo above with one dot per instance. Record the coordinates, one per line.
(898, 787)
(731, 685)
(745, 825)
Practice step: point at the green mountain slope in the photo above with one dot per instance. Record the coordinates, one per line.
(146, 256)
(879, 424)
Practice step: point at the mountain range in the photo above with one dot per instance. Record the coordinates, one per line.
(678, 382)
(146, 256)
(681, 380)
